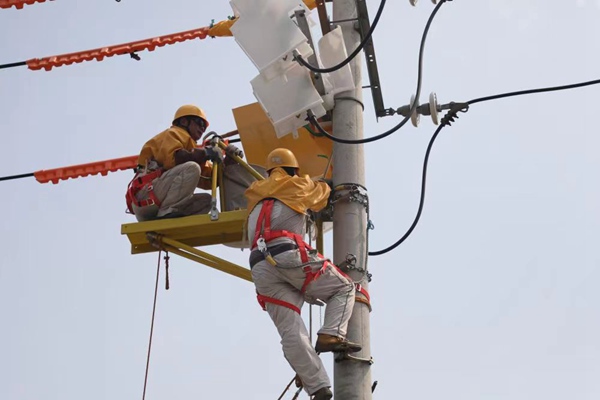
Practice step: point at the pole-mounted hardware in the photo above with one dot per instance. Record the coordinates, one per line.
(414, 2)
(432, 109)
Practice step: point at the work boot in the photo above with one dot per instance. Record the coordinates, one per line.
(326, 343)
(323, 394)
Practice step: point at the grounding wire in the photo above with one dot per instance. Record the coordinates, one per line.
(413, 106)
(446, 121)
(362, 44)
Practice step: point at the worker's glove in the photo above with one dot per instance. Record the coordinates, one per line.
(232, 150)
(214, 154)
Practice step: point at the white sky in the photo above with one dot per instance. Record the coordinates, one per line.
(494, 296)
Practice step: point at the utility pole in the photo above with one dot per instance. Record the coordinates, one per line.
(352, 378)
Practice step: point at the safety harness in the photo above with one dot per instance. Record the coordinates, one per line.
(263, 235)
(137, 184)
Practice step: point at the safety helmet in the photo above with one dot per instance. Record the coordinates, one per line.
(190, 110)
(281, 158)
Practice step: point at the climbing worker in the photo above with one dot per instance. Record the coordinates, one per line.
(287, 271)
(170, 167)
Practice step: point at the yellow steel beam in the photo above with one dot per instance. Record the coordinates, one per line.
(196, 230)
(202, 257)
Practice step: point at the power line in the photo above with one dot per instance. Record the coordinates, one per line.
(533, 91)
(102, 53)
(362, 44)
(448, 118)
(12, 65)
(11, 177)
(322, 131)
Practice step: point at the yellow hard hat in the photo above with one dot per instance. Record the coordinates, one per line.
(281, 158)
(190, 110)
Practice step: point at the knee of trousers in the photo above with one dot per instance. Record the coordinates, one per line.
(191, 168)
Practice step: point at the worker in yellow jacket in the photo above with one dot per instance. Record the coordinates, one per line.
(171, 167)
(287, 271)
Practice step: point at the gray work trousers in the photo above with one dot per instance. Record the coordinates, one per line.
(333, 288)
(175, 192)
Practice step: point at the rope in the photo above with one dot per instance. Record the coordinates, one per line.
(151, 326)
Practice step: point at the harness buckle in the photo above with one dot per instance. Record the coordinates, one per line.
(262, 245)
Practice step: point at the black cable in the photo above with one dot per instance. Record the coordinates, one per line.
(362, 44)
(533, 91)
(11, 65)
(421, 202)
(447, 120)
(8, 178)
(322, 131)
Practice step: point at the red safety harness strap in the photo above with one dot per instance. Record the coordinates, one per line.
(263, 228)
(360, 289)
(312, 276)
(138, 184)
(263, 300)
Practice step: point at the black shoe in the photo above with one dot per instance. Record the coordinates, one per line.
(323, 394)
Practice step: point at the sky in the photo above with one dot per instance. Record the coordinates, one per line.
(494, 296)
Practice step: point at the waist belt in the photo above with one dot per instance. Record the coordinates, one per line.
(256, 256)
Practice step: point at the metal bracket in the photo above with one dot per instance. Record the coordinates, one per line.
(214, 212)
(369, 49)
(355, 193)
(312, 60)
(349, 263)
(339, 357)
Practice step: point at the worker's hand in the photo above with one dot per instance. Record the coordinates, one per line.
(214, 154)
(232, 150)
(298, 381)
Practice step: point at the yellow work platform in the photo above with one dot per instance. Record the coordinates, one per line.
(196, 230)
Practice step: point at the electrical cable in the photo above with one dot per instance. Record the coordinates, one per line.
(413, 106)
(8, 178)
(421, 201)
(533, 91)
(362, 44)
(448, 118)
(11, 65)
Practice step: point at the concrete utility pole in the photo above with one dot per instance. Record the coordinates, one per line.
(352, 378)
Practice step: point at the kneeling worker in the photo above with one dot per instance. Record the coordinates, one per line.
(171, 167)
(287, 271)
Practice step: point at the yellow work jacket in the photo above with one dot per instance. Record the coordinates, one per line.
(297, 192)
(163, 146)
